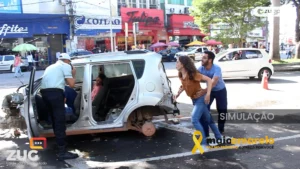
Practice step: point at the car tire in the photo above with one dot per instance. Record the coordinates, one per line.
(261, 73)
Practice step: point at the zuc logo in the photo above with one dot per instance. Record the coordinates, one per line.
(82, 20)
(35, 144)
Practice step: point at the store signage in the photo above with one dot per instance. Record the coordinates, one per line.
(144, 18)
(190, 24)
(266, 11)
(83, 22)
(12, 29)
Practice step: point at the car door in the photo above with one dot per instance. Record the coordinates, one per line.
(29, 102)
(252, 61)
(198, 54)
(230, 68)
(1, 63)
(8, 62)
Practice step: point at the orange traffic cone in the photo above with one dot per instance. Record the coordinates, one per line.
(264, 80)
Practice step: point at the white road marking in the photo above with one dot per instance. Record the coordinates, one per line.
(81, 163)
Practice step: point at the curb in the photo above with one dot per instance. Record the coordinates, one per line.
(287, 69)
(286, 65)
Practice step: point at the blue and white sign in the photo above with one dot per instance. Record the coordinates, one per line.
(101, 22)
(10, 6)
(26, 25)
(14, 30)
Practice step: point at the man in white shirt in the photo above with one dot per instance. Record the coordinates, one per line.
(52, 89)
(30, 60)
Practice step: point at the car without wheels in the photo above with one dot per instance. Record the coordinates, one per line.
(136, 89)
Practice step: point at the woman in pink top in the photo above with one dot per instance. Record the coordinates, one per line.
(97, 86)
(17, 65)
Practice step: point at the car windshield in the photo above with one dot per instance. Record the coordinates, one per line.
(190, 49)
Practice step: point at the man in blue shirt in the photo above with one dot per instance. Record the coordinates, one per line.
(218, 92)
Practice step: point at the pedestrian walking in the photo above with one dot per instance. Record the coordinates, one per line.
(30, 60)
(17, 65)
(52, 90)
(190, 79)
(218, 93)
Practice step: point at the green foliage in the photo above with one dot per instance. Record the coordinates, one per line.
(236, 13)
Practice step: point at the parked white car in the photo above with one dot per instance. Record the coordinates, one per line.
(244, 62)
(134, 91)
(194, 53)
(7, 63)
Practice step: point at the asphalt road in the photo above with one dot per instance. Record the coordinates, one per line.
(171, 146)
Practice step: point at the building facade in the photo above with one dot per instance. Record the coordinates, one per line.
(180, 25)
(43, 24)
(151, 27)
(91, 28)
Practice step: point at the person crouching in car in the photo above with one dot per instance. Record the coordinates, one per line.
(190, 79)
(98, 84)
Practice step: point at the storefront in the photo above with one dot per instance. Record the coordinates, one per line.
(47, 32)
(181, 28)
(150, 27)
(94, 32)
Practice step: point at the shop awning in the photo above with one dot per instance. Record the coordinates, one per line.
(185, 32)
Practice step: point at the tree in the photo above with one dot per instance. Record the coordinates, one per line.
(235, 13)
(274, 45)
(297, 29)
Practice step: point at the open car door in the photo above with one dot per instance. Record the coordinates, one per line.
(29, 114)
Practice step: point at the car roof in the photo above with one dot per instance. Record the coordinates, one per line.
(235, 49)
(116, 56)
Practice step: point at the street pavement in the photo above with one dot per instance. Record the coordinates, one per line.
(171, 146)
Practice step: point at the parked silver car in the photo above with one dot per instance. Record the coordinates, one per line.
(135, 89)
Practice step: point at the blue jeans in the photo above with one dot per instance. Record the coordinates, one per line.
(18, 71)
(200, 111)
(221, 100)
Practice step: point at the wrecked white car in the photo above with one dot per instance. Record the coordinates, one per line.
(136, 89)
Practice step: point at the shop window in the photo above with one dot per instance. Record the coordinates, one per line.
(176, 2)
(143, 4)
(189, 2)
(132, 3)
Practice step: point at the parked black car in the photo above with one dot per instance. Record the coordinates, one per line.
(168, 55)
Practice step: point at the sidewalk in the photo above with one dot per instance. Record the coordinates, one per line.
(277, 68)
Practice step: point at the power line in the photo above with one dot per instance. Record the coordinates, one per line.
(51, 1)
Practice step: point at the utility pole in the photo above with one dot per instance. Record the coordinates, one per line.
(126, 36)
(135, 26)
(71, 17)
(111, 32)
